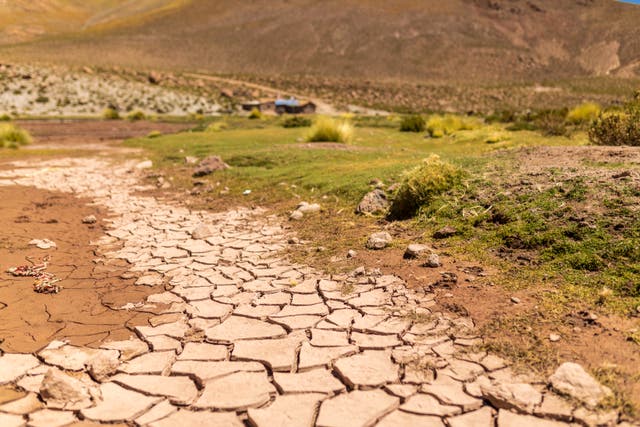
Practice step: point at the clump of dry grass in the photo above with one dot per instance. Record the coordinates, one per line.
(327, 129)
(12, 136)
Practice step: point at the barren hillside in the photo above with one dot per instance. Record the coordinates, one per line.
(470, 40)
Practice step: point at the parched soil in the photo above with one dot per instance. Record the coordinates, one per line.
(81, 312)
(92, 134)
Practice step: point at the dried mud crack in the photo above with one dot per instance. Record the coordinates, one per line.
(236, 334)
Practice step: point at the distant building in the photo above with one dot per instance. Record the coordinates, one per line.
(281, 106)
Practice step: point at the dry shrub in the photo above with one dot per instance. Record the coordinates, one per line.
(12, 136)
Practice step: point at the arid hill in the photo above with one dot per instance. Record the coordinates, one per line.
(410, 40)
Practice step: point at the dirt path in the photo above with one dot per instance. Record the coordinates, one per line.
(243, 336)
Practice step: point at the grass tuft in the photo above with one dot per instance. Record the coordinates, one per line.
(327, 129)
(110, 114)
(135, 116)
(12, 136)
(439, 126)
(256, 114)
(421, 184)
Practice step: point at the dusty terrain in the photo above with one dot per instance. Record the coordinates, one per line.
(242, 331)
(85, 312)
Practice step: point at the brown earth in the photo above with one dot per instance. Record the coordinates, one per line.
(91, 134)
(408, 40)
(83, 312)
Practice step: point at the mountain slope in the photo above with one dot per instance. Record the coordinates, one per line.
(467, 40)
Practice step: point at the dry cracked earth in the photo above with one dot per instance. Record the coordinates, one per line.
(241, 336)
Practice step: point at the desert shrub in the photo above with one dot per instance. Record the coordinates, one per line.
(5, 118)
(584, 113)
(439, 126)
(552, 122)
(421, 185)
(110, 114)
(296, 122)
(154, 134)
(327, 129)
(616, 129)
(135, 116)
(501, 116)
(12, 136)
(41, 99)
(255, 114)
(413, 123)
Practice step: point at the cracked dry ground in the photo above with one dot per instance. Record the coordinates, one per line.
(238, 335)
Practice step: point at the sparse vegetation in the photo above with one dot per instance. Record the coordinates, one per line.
(110, 114)
(154, 134)
(422, 184)
(217, 126)
(5, 118)
(296, 122)
(413, 123)
(327, 129)
(439, 126)
(12, 136)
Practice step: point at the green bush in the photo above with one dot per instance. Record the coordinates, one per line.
(111, 114)
(255, 114)
(327, 129)
(135, 116)
(12, 136)
(41, 99)
(413, 123)
(616, 129)
(5, 118)
(584, 113)
(296, 122)
(439, 126)
(421, 185)
(154, 134)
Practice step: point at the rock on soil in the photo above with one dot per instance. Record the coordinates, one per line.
(379, 240)
(209, 165)
(373, 202)
(571, 379)
(307, 208)
(445, 232)
(91, 219)
(415, 251)
(433, 261)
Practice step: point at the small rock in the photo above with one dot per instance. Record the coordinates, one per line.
(554, 337)
(352, 253)
(190, 160)
(202, 232)
(43, 243)
(571, 379)
(373, 202)
(91, 219)
(307, 208)
(379, 240)
(209, 165)
(433, 261)
(515, 300)
(415, 250)
(246, 192)
(445, 232)
(294, 241)
(147, 164)
(296, 215)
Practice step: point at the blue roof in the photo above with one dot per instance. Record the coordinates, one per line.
(287, 102)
